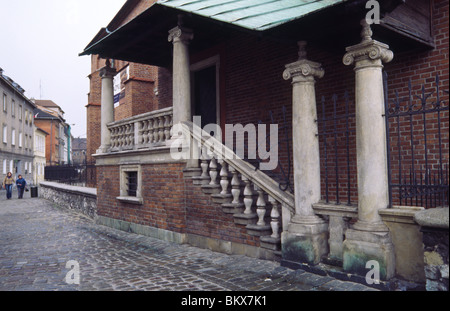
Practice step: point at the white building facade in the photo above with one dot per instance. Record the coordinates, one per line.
(17, 130)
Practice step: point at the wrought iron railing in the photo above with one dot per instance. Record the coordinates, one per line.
(337, 145)
(418, 146)
(79, 174)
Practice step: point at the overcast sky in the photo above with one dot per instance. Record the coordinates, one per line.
(39, 45)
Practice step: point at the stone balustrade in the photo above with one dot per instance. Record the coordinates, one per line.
(253, 198)
(145, 131)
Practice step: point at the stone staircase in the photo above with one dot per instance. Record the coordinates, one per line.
(253, 198)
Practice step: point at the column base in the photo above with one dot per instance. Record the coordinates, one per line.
(306, 240)
(103, 149)
(360, 247)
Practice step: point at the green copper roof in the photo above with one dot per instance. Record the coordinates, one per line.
(251, 14)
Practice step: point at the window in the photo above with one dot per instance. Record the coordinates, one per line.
(5, 134)
(4, 102)
(13, 108)
(130, 184)
(5, 163)
(20, 112)
(13, 137)
(20, 140)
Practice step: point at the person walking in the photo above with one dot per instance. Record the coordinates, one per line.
(21, 184)
(8, 184)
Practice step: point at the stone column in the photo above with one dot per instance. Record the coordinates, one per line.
(369, 237)
(107, 106)
(306, 238)
(180, 37)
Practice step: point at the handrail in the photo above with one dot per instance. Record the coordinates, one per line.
(141, 117)
(256, 176)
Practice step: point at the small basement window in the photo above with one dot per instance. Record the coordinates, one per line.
(130, 184)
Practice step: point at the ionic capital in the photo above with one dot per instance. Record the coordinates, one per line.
(107, 72)
(303, 69)
(180, 34)
(369, 51)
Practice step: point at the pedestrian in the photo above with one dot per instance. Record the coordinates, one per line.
(21, 184)
(8, 184)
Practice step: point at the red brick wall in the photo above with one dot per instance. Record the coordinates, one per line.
(162, 190)
(170, 203)
(254, 86)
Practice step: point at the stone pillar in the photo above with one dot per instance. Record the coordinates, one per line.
(369, 238)
(180, 37)
(306, 238)
(107, 106)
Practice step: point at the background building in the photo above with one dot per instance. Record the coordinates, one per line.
(39, 155)
(17, 129)
(49, 117)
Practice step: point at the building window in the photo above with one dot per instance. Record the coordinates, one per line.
(13, 137)
(13, 108)
(5, 134)
(20, 112)
(4, 102)
(130, 184)
(5, 164)
(20, 140)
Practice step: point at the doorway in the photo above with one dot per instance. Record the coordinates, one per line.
(205, 97)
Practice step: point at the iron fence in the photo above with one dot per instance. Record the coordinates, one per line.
(336, 123)
(418, 145)
(80, 174)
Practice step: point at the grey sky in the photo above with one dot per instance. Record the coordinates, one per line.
(39, 45)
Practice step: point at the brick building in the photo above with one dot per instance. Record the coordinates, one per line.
(136, 84)
(344, 174)
(49, 117)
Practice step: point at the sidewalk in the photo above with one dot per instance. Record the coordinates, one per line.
(38, 239)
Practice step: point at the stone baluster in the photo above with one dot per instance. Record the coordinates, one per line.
(275, 218)
(150, 125)
(224, 182)
(160, 129)
(145, 129)
(213, 171)
(167, 122)
(155, 130)
(235, 186)
(260, 206)
(248, 196)
(204, 163)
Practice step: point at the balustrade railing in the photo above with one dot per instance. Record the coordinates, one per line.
(148, 130)
(254, 198)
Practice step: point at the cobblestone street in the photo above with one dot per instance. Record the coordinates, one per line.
(37, 239)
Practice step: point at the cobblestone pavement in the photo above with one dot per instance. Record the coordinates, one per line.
(37, 239)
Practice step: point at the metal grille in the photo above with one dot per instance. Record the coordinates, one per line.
(336, 124)
(417, 146)
(132, 183)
